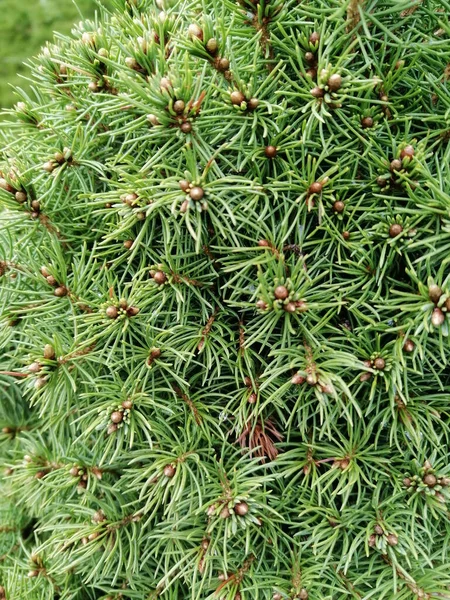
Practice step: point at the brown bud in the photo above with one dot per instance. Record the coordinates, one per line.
(297, 379)
(153, 119)
(241, 508)
(112, 427)
(169, 471)
(179, 106)
(396, 164)
(378, 530)
(4, 185)
(184, 185)
(270, 151)
(338, 206)
(264, 243)
(74, 471)
(60, 291)
(40, 383)
(315, 188)
(49, 352)
(155, 352)
(49, 166)
(334, 82)
(261, 305)
(408, 151)
(127, 404)
(225, 513)
(98, 516)
(123, 304)
(253, 104)
(317, 92)
(434, 292)
(372, 541)
(252, 398)
(430, 480)
(165, 83)
(303, 594)
(130, 199)
(344, 463)
(437, 317)
(39, 475)
(223, 64)
(408, 345)
(346, 235)
(395, 229)
(131, 62)
(20, 197)
(407, 482)
(186, 127)
(367, 122)
(212, 46)
(133, 311)
(195, 31)
(35, 367)
(309, 57)
(93, 535)
(196, 193)
(365, 377)
(281, 292)
(117, 416)
(33, 573)
(205, 544)
(314, 37)
(36, 205)
(128, 244)
(290, 307)
(277, 596)
(160, 277)
(311, 379)
(379, 363)
(237, 98)
(392, 539)
(112, 312)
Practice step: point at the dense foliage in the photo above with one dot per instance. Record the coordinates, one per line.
(225, 305)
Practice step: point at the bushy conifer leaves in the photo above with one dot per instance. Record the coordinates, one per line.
(225, 305)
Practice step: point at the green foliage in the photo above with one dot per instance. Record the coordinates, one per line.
(26, 26)
(225, 305)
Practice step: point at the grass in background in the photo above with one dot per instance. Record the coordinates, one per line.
(27, 25)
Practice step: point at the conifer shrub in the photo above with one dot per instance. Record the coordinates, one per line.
(225, 305)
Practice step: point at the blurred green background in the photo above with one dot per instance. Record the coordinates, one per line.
(27, 24)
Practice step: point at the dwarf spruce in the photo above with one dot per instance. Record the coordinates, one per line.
(225, 305)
